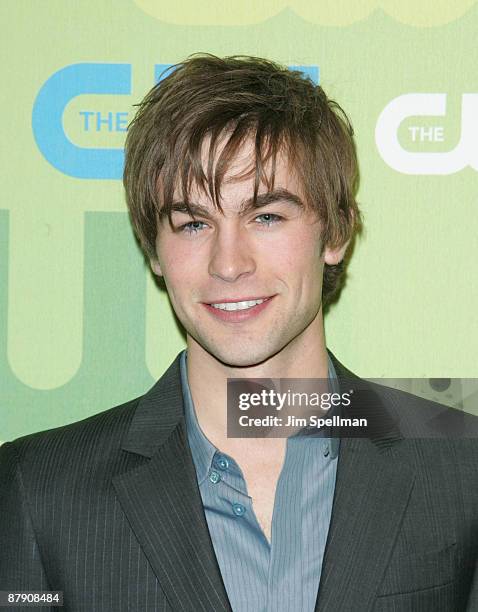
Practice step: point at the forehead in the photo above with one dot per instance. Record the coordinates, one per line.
(239, 176)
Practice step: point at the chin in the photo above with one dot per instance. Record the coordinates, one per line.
(241, 356)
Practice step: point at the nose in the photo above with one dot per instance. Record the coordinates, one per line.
(231, 256)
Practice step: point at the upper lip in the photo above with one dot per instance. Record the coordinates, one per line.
(239, 299)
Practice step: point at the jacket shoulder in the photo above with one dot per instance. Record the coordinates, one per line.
(83, 443)
(423, 418)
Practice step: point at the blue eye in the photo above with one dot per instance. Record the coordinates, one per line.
(193, 227)
(268, 219)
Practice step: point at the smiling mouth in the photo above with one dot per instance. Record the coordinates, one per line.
(241, 305)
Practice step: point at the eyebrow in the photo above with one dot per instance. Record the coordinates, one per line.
(263, 199)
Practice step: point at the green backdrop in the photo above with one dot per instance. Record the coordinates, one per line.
(82, 325)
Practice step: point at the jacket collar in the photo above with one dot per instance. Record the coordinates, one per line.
(158, 414)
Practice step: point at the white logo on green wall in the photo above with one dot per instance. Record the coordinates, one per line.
(424, 106)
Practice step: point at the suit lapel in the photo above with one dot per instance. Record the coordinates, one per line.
(372, 491)
(162, 502)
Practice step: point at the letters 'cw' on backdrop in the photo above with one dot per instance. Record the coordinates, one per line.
(82, 325)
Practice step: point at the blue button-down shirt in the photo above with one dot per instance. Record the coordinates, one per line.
(283, 575)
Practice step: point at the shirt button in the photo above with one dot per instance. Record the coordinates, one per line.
(214, 477)
(222, 463)
(238, 509)
(326, 450)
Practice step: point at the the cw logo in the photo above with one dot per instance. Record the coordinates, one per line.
(427, 105)
(80, 79)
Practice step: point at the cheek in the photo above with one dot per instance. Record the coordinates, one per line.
(182, 273)
(305, 267)
(299, 256)
(176, 262)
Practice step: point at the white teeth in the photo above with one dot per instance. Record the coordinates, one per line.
(237, 305)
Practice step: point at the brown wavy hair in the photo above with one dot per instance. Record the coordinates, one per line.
(240, 97)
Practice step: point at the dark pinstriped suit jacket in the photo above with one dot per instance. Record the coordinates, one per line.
(108, 511)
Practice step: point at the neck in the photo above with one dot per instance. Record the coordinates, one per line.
(304, 357)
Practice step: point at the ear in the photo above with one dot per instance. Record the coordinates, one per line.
(155, 267)
(333, 256)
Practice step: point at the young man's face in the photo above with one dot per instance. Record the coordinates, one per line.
(219, 265)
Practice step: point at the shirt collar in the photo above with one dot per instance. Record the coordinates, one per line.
(202, 449)
(334, 383)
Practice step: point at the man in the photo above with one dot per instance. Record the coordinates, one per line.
(240, 179)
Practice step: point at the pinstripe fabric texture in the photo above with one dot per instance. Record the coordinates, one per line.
(108, 510)
(259, 576)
